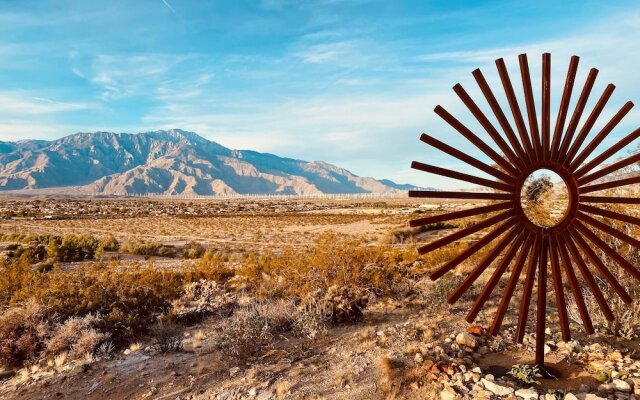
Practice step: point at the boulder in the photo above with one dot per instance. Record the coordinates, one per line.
(527, 394)
(467, 339)
(496, 388)
(620, 386)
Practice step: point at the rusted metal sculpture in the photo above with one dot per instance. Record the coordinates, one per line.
(570, 243)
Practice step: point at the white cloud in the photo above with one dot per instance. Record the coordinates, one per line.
(25, 104)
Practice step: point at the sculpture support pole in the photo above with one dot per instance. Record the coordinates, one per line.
(541, 307)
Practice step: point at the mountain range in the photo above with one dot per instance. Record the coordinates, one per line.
(168, 162)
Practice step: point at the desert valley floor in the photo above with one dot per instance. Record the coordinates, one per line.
(272, 298)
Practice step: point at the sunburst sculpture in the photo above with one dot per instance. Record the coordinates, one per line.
(569, 244)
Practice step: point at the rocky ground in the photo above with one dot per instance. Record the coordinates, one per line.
(396, 351)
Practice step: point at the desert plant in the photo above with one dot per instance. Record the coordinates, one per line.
(193, 250)
(148, 248)
(213, 266)
(335, 304)
(525, 374)
(23, 331)
(168, 336)
(201, 299)
(256, 326)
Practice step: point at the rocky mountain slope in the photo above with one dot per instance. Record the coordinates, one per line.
(172, 162)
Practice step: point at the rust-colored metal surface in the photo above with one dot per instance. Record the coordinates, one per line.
(535, 253)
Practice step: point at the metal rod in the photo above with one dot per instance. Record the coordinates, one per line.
(609, 169)
(626, 265)
(608, 229)
(589, 279)
(531, 105)
(607, 153)
(497, 111)
(546, 105)
(591, 119)
(604, 132)
(561, 304)
(604, 271)
(461, 177)
(482, 266)
(436, 244)
(541, 306)
(486, 124)
(434, 219)
(515, 109)
(527, 291)
(480, 244)
(430, 140)
(575, 286)
(436, 194)
(577, 113)
(564, 107)
(495, 277)
(473, 138)
(610, 184)
(511, 285)
(610, 200)
(609, 214)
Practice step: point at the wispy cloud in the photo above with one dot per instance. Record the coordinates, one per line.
(25, 104)
(166, 3)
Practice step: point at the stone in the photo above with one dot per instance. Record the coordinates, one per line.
(467, 339)
(547, 349)
(497, 389)
(253, 392)
(448, 394)
(605, 388)
(570, 396)
(591, 396)
(6, 374)
(620, 386)
(476, 330)
(527, 394)
(233, 371)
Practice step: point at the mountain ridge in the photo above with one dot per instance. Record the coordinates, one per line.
(169, 162)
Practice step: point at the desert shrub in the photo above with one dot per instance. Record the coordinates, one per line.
(70, 247)
(14, 275)
(331, 260)
(45, 266)
(107, 243)
(400, 236)
(201, 299)
(192, 250)
(525, 374)
(128, 300)
(256, 326)
(213, 265)
(336, 304)
(168, 336)
(148, 249)
(23, 331)
(78, 335)
(435, 297)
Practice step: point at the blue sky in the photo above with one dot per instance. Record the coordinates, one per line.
(351, 82)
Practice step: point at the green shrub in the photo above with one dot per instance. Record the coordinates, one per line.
(148, 249)
(192, 250)
(525, 374)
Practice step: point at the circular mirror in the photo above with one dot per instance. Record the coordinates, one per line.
(544, 198)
